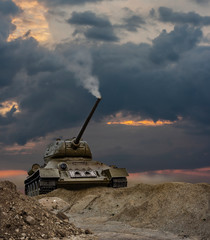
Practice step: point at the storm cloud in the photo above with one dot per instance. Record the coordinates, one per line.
(29, 75)
(98, 28)
(153, 90)
(134, 73)
(7, 10)
(170, 46)
(132, 23)
(168, 15)
(201, 1)
(88, 18)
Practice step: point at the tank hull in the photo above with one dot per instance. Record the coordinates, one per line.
(77, 175)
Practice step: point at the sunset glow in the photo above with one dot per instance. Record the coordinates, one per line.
(11, 173)
(121, 118)
(198, 172)
(195, 172)
(6, 106)
(32, 20)
(20, 149)
(142, 123)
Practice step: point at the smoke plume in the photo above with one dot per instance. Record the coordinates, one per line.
(80, 63)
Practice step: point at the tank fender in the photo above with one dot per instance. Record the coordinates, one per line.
(49, 173)
(115, 172)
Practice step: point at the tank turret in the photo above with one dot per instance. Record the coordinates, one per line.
(74, 147)
(68, 164)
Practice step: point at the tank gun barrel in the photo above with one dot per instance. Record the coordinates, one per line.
(78, 138)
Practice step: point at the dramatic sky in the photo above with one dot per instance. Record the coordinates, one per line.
(149, 60)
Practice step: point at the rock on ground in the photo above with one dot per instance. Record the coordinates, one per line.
(22, 217)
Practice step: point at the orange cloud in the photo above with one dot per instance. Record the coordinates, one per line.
(32, 21)
(16, 147)
(142, 123)
(6, 106)
(20, 149)
(11, 173)
(120, 119)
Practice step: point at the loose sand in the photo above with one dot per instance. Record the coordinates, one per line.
(162, 211)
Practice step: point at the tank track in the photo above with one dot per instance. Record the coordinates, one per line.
(34, 189)
(119, 182)
(35, 185)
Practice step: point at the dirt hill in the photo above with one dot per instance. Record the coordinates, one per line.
(169, 211)
(179, 208)
(22, 217)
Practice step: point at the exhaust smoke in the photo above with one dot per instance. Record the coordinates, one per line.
(80, 63)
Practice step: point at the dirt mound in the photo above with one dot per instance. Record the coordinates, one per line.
(180, 208)
(22, 217)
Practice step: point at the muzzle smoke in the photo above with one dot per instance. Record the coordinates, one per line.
(81, 65)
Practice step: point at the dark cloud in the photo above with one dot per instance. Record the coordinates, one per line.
(132, 23)
(68, 2)
(201, 1)
(169, 46)
(168, 15)
(133, 80)
(7, 7)
(34, 77)
(7, 60)
(98, 28)
(7, 10)
(88, 18)
(105, 34)
(24, 54)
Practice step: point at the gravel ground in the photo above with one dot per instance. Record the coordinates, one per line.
(23, 218)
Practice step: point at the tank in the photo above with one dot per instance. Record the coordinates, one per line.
(68, 164)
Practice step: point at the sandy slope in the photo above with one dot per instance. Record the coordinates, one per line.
(182, 209)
